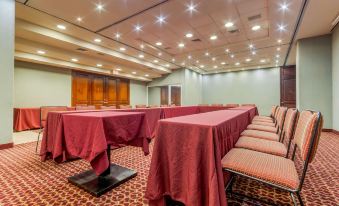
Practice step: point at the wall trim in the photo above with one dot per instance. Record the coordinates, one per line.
(6, 146)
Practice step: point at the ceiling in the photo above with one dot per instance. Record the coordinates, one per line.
(146, 39)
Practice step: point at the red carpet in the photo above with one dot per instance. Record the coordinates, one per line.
(25, 180)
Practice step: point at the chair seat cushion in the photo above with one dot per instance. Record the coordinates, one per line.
(262, 118)
(261, 134)
(270, 168)
(262, 128)
(271, 124)
(262, 145)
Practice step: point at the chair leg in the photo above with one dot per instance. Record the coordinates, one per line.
(299, 198)
(293, 199)
(37, 143)
(230, 184)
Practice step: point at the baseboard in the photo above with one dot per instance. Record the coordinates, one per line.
(6, 146)
(330, 130)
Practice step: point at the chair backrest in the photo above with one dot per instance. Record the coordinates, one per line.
(252, 105)
(290, 122)
(173, 105)
(203, 104)
(153, 106)
(164, 105)
(140, 106)
(273, 110)
(232, 105)
(307, 134)
(44, 110)
(125, 106)
(281, 117)
(216, 105)
(108, 107)
(90, 107)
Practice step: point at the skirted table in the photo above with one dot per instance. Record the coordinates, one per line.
(186, 159)
(26, 118)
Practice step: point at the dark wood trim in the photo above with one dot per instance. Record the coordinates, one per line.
(6, 146)
(330, 130)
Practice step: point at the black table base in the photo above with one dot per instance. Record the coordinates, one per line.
(98, 185)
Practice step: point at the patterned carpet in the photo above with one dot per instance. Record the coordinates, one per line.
(25, 180)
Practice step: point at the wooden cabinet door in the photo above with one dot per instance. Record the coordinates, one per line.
(81, 89)
(98, 89)
(111, 91)
(164, 95)
(288, 86)
(123, 92)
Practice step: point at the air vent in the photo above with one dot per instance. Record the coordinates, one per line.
(99, 53)
(167, 48)
(196, 40)
(255, 17)
(82, 49)
(232, 31)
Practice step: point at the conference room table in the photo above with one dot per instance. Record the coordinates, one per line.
(177, 111)
(187, 153)
(26, 119)
(252, 110)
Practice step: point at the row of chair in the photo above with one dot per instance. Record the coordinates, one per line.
(262, 151)
(226, 105)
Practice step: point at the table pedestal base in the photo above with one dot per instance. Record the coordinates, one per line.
(98, 185)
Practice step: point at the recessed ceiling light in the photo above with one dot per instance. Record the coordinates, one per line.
(284, 6)
(79, 19)
(158, 43)
(97, 40)
(142, 46)
(183, 64)
(167, 65)
(161, 19)
(122, 49)
(74, 60)
(141, 56)
(227, 51)
(276, 61)
(256, 27)
(278, 49)
(117, 35)
(189, 35)
(181, 45)
(197, 61)
(191, 7)
(213, 59)
(41, 52)
(277, 56)
(146, 75)
(254, 52)
(248, 59)
(99, 65)
(207, 54)
(100, 7)
(251, 46)
(229, 24)
(281, 27)
(232, 55)
(134, 72)
(173, 60)
(262, 60)
(118, 69)
(223, 63)
(237, 64)
(213, 37)
(279, 41)
(159, 54)
(137, 28)
(202, 66)
(215, 66)
(189, 57)
(60, 26)
(155, 61)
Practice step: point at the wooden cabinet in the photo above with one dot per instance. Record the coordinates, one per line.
(98, 90)
(288, 86)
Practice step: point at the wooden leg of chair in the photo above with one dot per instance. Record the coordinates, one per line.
(37, 143)
(299, 198)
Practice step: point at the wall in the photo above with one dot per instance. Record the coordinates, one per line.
(154, 96)
(314, 76)
(192, 91)
(261, 87)
(138, 92)
(176, 77)
(7, 22)
(41, 85)
(335, 77)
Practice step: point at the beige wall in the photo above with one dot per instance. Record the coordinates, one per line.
(335, 77)
(41, 85)
(7, 15)
(138, 92)
(261, 87)
(314, 76)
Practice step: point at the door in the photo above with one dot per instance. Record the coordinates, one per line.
(111, 94)
(98, 89)
(164, 95)
(175, 95)
(123, 92)
(288, 86)
(81, 89)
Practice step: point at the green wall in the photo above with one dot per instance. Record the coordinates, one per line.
(138, 92)
(192, 91)
(335, 77)
(7, 16)
(261, 87)
(154, 96)
(314, 76)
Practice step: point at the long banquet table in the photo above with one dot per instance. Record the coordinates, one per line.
(26, 118)
(186, 159)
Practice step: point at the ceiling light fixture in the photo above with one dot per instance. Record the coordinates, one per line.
(155, 61)
(191, 7)
(284, 6)
(118, 69)
(181, 45)
(122, 49)
(232, 55)
(281, 27)
(117, 35)
(223, 63)
(202, 66)
(279, 41)
(158, 43)
(142, 46)
(99, 65)
(183, 64)
(237, 64)
(213, 37)
(189, 57)
(213, 59)
(173, 60)
(227, 51)
(248, 59)
(161, 19)
(141, 56)
(41, 52)
(262, 60)
(207, 54)
(277, 56)
(167, 65)
(60, 26)
(134, 72)
(99, 7)
(137, 28)
(97, 40)
(215, 67)
(159, 54)
(254, 52)
(146, 75)
(229, 24)
(189, 35)
(79, 19)
(256, 27)
(278, 49)
(251, 46)
(74, 60)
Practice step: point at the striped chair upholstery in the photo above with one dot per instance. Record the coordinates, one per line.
(271, 117)
(268, 146)
(108, 107)
(275, 170)
(89, 107)
(125, 107)
(261, 135)
(153, 106)
(216, 105)
(140, 106)
(264, 128)
(203, 104)
(250, 105)
(231, 105)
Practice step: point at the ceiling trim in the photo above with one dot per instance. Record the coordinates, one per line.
(131, 16)
(296, 28)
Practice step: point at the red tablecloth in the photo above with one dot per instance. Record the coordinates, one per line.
(26, 118)
(169, 112)
(88, 134)
(253, 111)
(203, 109)
(186, 160)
